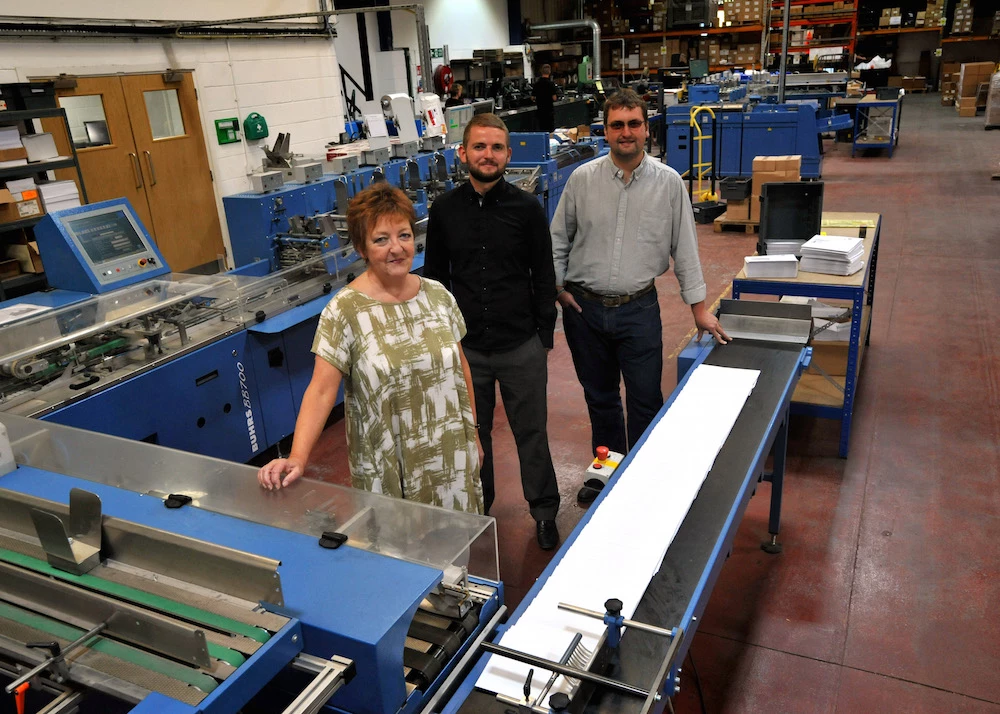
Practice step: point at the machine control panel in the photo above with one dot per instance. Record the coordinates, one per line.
(97, 248)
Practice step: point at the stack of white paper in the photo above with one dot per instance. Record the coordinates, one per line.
(10, 138)
(57, 195)
(622, 546)
(18, 186)
(785, 247)
(781, 265)
(834, 255)
(40, 147)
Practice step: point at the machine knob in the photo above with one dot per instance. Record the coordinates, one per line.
(602, 453)
(559, 702)
(614, 606)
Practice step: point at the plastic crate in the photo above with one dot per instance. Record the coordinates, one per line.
(790, 211)
(734, 188)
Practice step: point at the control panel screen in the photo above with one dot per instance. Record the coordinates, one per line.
(106, 236)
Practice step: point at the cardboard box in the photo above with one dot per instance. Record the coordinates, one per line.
(14, 154)
(11, 210)
(25, 252)
(971, 75)
(9, 268)
(739, 210)
(967, 111)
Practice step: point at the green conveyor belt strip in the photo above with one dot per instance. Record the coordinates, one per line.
(144, 599)
(111, 648)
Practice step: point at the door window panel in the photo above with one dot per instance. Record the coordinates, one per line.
(164, 111)
(87, 121)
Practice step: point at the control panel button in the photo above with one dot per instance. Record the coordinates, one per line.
(142, 262)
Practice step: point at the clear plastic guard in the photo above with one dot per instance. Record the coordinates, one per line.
(54, 328)
(432, 536)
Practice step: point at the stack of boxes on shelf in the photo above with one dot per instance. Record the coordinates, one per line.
(766, 169)
(727, 53)
(970, 77)
(949, 83)
(933, 15)
(962, 23)
(742, 12)
(891, 17)
(668, 53)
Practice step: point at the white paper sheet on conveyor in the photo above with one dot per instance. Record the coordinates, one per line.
(621, 548)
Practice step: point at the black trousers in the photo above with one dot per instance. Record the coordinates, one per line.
(523, 376)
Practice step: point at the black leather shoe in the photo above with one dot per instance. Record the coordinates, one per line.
(548, 534)
(591, 487)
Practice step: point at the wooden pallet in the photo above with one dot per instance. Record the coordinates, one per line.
(722, 223)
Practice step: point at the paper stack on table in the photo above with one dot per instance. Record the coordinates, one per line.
(783, 247)
(771, 266)
(57, 195)
(833, 255)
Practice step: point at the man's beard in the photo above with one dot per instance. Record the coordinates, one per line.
(480, 175)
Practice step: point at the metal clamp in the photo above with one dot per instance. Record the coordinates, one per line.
(331, 675)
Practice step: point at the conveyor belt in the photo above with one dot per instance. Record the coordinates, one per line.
(673, 588)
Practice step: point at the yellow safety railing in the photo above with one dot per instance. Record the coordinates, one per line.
(701, 168)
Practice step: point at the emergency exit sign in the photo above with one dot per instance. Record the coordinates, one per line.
(437, 52)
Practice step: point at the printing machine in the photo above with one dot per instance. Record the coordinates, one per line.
(744, 131)
(532, 151)
(139, 578)
(206, 353)
(181, 586)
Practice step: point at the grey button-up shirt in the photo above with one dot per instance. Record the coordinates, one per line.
(614, 238)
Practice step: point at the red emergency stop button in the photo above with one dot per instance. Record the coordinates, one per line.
(602, 453)
(142, 261)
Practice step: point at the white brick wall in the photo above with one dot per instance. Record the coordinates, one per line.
(293, 83)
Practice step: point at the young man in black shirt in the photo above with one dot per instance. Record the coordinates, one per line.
(488, 242)
(544, 92)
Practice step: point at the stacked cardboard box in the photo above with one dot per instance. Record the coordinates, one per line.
(993, 103)
(915, 84)
(970, 77)
(766, 169)
(949, 82)
(891, 17)
(962, 22)
(743, 12)
(933, 15)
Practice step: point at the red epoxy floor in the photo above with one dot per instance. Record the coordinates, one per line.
(887, 594)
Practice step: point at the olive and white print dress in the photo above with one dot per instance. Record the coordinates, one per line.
(410, 430)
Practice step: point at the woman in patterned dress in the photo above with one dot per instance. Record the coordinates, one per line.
(393, 339)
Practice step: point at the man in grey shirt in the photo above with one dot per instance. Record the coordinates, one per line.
(619, 222)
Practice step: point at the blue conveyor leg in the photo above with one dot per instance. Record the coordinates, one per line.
(777, 479)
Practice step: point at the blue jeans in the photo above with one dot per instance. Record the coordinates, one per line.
(608, 343)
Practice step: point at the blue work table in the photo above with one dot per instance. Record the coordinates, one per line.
(829, 386)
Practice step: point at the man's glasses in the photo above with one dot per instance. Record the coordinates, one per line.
(633, 124)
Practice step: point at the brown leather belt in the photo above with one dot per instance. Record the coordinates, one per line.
(607, 300)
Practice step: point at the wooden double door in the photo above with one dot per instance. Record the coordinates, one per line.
(140, 137)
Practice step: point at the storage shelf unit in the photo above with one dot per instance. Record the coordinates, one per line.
(897, 31)
(845, 22)
(30, 282)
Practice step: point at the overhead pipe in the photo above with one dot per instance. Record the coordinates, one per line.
(567, 24)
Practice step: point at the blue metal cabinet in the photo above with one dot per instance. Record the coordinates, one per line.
(767, 132)
(206, 402)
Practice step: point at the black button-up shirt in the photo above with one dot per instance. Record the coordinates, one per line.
(495, 255)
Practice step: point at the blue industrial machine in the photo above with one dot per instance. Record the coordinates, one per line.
(172, 583)
(188, 588)
(531, 150)
(743, 132)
